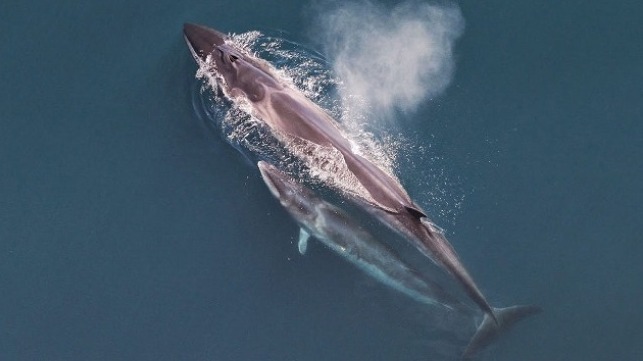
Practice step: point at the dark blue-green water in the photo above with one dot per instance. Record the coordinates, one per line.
(129, 232)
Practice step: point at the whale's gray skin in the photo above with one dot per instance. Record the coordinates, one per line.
(287, 112)
(340, 233)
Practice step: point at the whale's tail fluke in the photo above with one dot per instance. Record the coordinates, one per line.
(489, 330)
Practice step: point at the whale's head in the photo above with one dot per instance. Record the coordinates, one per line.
(202, 40)
(300, 201)
(239, 71)
(284, 188)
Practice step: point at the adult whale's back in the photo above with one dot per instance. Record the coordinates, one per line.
(294, 118)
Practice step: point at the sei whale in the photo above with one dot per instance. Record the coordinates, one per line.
(293, 118)
(343, 235)
(340, 233)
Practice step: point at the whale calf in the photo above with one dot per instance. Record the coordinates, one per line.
(340, 233)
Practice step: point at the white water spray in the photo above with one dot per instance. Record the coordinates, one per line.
(389, 59)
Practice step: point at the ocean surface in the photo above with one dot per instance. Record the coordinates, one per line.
(130, 230)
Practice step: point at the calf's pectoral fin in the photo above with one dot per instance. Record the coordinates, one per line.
(302, 245)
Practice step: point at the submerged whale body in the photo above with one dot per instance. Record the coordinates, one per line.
(295, 120)
(339, 232)
(343, 235)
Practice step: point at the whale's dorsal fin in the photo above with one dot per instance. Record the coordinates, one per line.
(303, 241)
(415, 212)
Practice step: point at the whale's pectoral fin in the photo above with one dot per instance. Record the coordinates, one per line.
(489, 330)
(303, 241)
